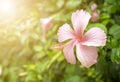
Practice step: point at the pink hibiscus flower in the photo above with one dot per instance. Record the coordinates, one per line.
(86, 51)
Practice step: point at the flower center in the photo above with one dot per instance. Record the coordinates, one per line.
(79, 38)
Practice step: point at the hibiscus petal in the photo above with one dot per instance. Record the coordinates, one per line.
(80, 20)
(65, 32)
(86, 55)
(94, 37)
(69, 52)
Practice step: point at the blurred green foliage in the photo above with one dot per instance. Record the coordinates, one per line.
(26, 53)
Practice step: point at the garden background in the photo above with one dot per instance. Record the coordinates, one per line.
(29, 48)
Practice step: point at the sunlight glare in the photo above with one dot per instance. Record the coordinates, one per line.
(7, 7)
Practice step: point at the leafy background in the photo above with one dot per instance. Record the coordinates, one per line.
(27, 55)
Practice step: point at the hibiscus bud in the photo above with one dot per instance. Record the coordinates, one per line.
(93, 6)
(95, 16)
(46, 24)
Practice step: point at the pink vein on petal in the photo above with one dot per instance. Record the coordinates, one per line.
(86, 55)
(80, 20)
(69, 52)
(94, 37)
(65, 33)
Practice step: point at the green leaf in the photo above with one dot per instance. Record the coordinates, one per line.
(114, 43)
(99, 25)
(104, 16)
(75, 79)
(72, 4)
(115, 31)
(115, 55)
(37, 48)
(60, 3)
